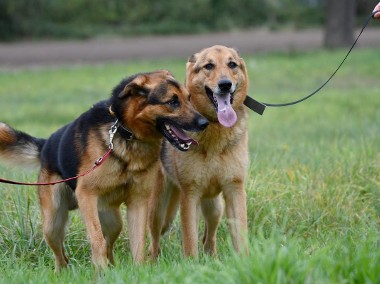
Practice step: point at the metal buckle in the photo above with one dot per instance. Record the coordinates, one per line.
(112, 132)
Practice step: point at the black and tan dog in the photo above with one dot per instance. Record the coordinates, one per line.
(147, 107)
(198, 179)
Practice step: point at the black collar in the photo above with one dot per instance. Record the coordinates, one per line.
(254, 105)
(124, 133)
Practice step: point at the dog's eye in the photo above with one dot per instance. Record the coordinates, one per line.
(232, 65)
(174, 102)
(209, 66)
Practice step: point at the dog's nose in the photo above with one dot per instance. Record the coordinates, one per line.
(224, 85)
(202, 122)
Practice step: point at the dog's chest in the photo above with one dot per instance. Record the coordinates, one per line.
(133, 169)
(124, 171)
(220, 161)
(208, 175)
(120, 184)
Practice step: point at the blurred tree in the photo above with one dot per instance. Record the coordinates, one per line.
(365, 6)
(340, 23)
(27, 19)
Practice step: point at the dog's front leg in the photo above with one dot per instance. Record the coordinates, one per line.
(189, 219)
(236, 211)
(212, 210)
(88, 205)
(137, 218)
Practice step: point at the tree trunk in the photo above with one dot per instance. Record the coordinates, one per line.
(340, 23)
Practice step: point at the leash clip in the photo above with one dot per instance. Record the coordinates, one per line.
(99, 161)
(112, 132)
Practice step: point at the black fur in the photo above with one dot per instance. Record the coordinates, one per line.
(60, 152)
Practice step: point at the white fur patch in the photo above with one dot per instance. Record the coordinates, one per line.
(14, 153)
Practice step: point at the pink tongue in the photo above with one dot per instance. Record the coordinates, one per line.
(182, 135)
(226, 114)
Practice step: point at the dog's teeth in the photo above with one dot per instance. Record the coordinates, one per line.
(215, 101)
(167, 127)
(187, 146)
(182, 145)
(188, 143)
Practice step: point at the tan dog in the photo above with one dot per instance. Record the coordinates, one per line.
(198, 179)
(143, 108)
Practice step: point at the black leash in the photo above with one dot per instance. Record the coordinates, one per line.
(259, 107)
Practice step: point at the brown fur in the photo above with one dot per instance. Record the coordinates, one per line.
(5, 135)
(128, 176)
(199, 179)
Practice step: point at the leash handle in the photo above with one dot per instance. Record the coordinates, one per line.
(374, 13)
(249, 101)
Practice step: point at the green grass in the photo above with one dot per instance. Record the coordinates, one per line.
(313, 186)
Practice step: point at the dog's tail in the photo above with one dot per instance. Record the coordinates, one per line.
(18, 148)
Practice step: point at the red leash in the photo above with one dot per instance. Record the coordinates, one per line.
(97, 163)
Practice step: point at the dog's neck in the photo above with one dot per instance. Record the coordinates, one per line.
(124, 132)
(127, 145)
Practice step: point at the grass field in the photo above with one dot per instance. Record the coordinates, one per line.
(313, 187)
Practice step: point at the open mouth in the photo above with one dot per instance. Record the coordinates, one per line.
(222, 102)
(176, 136)
(213, 98)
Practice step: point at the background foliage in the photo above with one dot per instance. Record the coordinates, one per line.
(84, 18)
(20, 19)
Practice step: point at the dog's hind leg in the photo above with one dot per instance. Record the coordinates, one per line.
(54, 210)
(212, 210)
(171, 208)
(112, 224)
(157, 210)
(163, 207)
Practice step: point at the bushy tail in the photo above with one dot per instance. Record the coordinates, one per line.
(18, 148)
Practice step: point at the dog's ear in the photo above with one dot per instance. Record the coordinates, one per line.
(136, 87)
(191, 63)
(167, 73)
(192, 58)
(235, 50)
